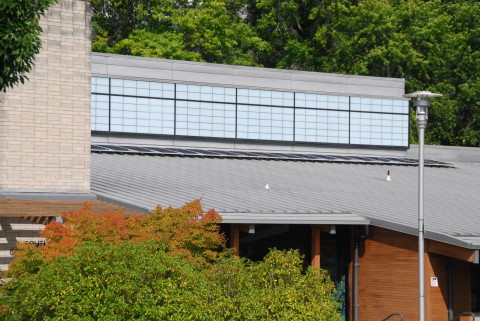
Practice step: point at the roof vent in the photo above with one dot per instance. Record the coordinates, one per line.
(388, 177)
(267, 186)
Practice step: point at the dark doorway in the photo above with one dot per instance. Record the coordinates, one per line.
(334, 250)
(255, 246)
(475, 288)
(335, 258)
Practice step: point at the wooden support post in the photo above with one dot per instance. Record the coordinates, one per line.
(242, 227)
(316, 245)
(235, 239)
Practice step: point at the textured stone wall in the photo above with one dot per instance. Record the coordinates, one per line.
(45, 123)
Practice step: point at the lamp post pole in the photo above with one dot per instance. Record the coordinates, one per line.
(422, 119)
(422, 103)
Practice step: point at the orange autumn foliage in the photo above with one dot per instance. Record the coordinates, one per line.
(187, 231)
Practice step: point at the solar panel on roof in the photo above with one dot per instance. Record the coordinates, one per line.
(228, 153)
(140, 149)
(161, 150)
(98, 147)
(117, 148)
(209, 152)
(143, 150)
(328, 156)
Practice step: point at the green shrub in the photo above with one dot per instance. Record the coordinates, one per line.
(136, 281)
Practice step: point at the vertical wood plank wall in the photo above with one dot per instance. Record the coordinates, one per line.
(315, 246)
(388, 276)
(436, 298)
(388, 279)
(235, 239)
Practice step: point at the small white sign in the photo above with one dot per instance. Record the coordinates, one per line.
(434, 282)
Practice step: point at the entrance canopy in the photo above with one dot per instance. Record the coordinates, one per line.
(294, 218)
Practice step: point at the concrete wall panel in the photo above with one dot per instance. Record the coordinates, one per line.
(241, 76)
(197, 77)
(139, 72)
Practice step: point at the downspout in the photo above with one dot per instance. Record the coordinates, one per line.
(356, 266)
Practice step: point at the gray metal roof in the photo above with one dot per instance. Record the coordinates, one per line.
(322, 193)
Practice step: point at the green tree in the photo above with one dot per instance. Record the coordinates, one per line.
(197, 31)
(288, 27)
(434, 45)
(128, 281)
(19, 38)
(114, 20)
(169, 45)
(136, 281)
(276, 288)
(168, 265)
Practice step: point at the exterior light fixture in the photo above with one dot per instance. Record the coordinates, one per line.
(421, 100)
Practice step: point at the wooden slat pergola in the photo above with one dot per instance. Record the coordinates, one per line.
(41, 211)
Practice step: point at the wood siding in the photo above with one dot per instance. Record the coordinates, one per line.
(388, 276)
(436, 298)
(388, 279)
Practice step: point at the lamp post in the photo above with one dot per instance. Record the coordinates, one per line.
(421, 102)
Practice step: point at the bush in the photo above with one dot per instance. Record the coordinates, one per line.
(135, 281)
(164, 266)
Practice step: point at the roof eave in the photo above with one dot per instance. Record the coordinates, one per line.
(293, 218)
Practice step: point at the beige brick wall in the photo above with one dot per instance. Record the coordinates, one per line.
(45, 123)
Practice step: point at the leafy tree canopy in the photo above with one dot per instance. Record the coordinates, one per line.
(188, 232)
(163, 266)
(434, 45)
(133, 281)
(204, 31)
(19, 38)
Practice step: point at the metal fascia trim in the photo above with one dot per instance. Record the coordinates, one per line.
(260, 218)
(48, 196)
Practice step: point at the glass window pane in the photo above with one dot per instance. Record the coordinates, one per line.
(253, 120)
(325, 117)
(100, 85)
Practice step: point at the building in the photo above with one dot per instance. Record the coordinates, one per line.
(45, 131)
(288, 158)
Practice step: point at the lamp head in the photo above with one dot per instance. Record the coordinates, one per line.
(423, 94)
(422, 102)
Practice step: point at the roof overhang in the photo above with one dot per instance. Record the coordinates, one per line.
(294, 218)
(54, 203)
(467, 242)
